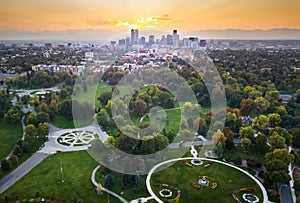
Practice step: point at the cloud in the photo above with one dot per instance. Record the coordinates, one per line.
(146, 22)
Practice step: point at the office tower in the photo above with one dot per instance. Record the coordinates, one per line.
(151, 40)
(175, 39)
(202, 43)
(134, 36)
(170, 40)
(143, 41)
(122, 42)
(163, 40)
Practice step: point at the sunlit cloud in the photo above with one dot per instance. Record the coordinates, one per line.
(142, 22)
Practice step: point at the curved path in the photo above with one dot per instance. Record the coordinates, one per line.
(104, 189)
(148, 184)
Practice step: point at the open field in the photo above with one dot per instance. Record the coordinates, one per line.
(9, 136)
(180, 176)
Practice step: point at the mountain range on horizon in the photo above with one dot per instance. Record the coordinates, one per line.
(109, 35)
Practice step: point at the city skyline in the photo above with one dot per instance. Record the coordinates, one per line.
(116, 15)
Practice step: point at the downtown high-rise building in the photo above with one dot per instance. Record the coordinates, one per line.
(134, 36)
(175, 39)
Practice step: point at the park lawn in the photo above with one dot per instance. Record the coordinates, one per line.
(94, 91)
(239, 152)
(9, 136)
(61, 122)
(180, 175)
(77, 169)
(46, 178)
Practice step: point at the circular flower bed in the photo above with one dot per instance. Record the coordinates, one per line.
(165, 193)
(197, 162)
(250, 198)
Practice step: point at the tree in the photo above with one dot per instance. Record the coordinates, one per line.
(274, 119)
(246, 106)
(139, 107)
(281, 110)
(276, 163)
(110, 141)
(65, 109)
(261, 143)
(4, 103)
(229, 138)
(245, 142)
(102, 118)
(277, 142)
(295, 132)
(230, 120)
(5, 165)
(104, 98)
(43, 129)
(126, 144)
(261, 104)
(247, 132)
(30, 131)
(261, 122)
(283, 133)
(108, 181)
(31, 119)
(219, 137)
(42, 117)
(14, 115)
(152, 144)
(43, 107)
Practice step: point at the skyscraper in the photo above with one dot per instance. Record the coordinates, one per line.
(175, 39)
(134, 36)
(151, 40)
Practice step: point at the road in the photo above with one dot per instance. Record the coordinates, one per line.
(21, 171)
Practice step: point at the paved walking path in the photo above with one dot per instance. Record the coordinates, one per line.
(148, 184)
(51, 147)
(21, 171)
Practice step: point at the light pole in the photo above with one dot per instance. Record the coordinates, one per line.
(62, 175)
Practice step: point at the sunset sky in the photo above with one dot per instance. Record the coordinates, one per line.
(58, 15)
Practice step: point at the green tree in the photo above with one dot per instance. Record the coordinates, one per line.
(5, 165)
(14, 115)
(43, 129)
(248, 132)
(277, 142)
(274, 119)
(261, 105)
(276, 163)
(261, 122)
(30, 131)
(283, 133)
(31, 119)
(152, 144)
(245, 143)
(104, 98)
(42, 117)
(65, 109)
(102, 118)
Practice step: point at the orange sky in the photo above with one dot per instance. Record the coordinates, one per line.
(39, 15)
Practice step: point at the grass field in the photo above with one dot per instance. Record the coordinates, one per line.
(46, 178)
(180, 175)
(9, 136)
(238, 152)
(61, 122)
(77, 169)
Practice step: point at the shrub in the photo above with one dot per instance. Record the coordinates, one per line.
(237, 161)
